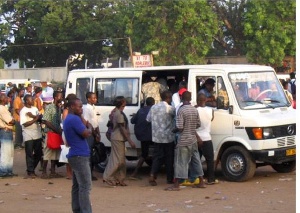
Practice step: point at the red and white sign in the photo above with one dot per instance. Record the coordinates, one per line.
(141, 61)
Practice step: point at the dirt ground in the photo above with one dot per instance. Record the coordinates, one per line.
(268, 191)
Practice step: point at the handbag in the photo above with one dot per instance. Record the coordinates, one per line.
(54, 140)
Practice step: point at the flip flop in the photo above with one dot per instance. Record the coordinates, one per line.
(199, 186)
(121, 184)
(109, 183)
(152, 183)
(172, 188)
(133, 178)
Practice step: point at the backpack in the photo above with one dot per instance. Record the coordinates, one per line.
(98, 153)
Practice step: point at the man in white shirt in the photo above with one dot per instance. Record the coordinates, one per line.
(91, 115)
(32, 134)
(176, 98)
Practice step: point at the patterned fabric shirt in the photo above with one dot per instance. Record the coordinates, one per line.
(153, 89)
(161, 116)
(53, 115)
(188, 120)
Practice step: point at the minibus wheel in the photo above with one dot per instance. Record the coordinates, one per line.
(237, 164)
(285, 167)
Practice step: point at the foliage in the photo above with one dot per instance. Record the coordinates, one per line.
(230, 38)
(270, 30)
(60, 26)
(182, 31)
(1, 63)
(46, 33)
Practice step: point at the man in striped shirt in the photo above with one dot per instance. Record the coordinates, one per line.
(186, 151)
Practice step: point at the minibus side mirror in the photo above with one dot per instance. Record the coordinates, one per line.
(230, 108)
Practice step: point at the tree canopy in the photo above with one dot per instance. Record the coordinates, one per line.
(46, 33)
(270, 30)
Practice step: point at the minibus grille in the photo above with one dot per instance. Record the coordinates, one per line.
(286, 141)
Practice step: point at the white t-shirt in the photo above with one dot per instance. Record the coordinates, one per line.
(175, 100)
(90, 114)
(205, 114)
(33, 131)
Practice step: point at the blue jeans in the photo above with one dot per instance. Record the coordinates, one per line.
(82, 184)
(7, 152)
(187, 161)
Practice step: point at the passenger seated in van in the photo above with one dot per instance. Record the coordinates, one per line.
(207, 90)
(254, 91)
(153, 89)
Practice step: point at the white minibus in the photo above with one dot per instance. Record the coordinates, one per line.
(247, 132)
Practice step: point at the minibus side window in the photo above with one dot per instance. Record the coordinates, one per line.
(82, 87)
(206, 85)
(107, 89)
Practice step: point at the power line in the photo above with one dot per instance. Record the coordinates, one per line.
(64, 42)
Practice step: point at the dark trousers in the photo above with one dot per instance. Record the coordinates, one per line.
(18, 134)
(163, 153)
(91, 142)
(207, 151)
(34, 152)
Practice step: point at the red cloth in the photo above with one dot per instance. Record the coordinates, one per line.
(181, 91)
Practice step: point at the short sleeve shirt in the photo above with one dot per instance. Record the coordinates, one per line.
(53, 115)
(18, 105)
(188, 120)
(33, 131)
(73, 129)
(5, 117)
(118, 118)
(161, 116)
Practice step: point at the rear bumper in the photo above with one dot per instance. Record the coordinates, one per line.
(274, 156)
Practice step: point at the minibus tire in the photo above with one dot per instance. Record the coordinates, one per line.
(237, 164)
(285, 167)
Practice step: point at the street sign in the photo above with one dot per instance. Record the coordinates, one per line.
(141, 60)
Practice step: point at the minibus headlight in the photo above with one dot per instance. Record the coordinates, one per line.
(268, 133)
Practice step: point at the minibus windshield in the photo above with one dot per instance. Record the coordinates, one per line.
(256, 90)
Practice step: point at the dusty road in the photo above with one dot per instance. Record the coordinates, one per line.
(268, 191)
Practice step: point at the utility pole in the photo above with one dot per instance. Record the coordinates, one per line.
(130, 50)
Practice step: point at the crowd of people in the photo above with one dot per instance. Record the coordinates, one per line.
(178, 131)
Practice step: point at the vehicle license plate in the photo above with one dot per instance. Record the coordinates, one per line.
(290, 152)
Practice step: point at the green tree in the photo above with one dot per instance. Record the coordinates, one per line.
(230, 37)
(182, 31)
(60, 26)
(270, 30)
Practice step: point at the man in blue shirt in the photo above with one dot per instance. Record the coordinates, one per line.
(143, 132)
(76, 133)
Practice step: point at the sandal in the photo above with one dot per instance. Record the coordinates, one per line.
(44, 176)
(55, 175)
(152, 181)
(172, 188)
(199, 186)
(121, 184)
(109, 182)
